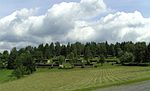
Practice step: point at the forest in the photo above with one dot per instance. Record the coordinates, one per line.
(24, 61)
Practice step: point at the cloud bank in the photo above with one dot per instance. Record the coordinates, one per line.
(70, 22)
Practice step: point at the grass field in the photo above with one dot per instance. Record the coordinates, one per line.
(5, 76)
(77, 79)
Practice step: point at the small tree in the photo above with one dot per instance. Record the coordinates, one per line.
(28, 63)
(87, 53)
(1, 64)
(120, 52)
(102, 59)
(4, 58)
(127, 58)
(61, 59)
(19, 71)
(11, 58)
(70, 56)
(24, 65)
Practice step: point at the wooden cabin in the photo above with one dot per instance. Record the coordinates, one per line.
(42, 65)
(93, 61)
(44, 61)
(55, 63)
(88, 65)
(68, 60)
(78, 65)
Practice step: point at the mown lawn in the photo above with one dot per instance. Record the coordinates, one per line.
(77, 79)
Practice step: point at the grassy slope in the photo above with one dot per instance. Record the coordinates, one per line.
(5, 76)
(77, 79)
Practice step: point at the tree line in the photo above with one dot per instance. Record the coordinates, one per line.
(23, 60)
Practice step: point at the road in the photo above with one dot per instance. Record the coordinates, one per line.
(141, 86)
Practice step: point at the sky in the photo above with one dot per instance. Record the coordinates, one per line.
(32, 22)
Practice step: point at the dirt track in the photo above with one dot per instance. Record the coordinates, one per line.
(141, 86)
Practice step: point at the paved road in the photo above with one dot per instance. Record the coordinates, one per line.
(141, 86)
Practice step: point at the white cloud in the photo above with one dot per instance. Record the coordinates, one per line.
(82, 10)
(123, 26)
(72, 22)
(82, 32)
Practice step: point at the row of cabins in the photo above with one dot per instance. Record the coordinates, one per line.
(78, 63)
(55, 63)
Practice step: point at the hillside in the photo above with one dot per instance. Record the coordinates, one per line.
(75, 79)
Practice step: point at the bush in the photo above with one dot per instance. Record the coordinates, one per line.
(19, 72)
(66, 66)
(1, 65)
(24, 65)
(97, 65)
(83, 65)
(102, 59)
(61, 59)
(127, 58)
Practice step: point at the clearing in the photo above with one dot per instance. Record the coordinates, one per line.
(77, 79)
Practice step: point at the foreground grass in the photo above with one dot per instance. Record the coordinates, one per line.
(5, 76)
(78, 79)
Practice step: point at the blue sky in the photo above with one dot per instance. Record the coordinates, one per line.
(130, 6)
(9, 6)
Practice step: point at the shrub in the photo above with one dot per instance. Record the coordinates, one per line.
(97, 65)
(127, 58)
(19, 72)
(102, 59)
(24, 65)
(61, 59)
(66, 66)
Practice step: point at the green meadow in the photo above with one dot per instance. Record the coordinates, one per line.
(77, 79)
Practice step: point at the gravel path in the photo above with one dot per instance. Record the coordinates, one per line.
(141, 86)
